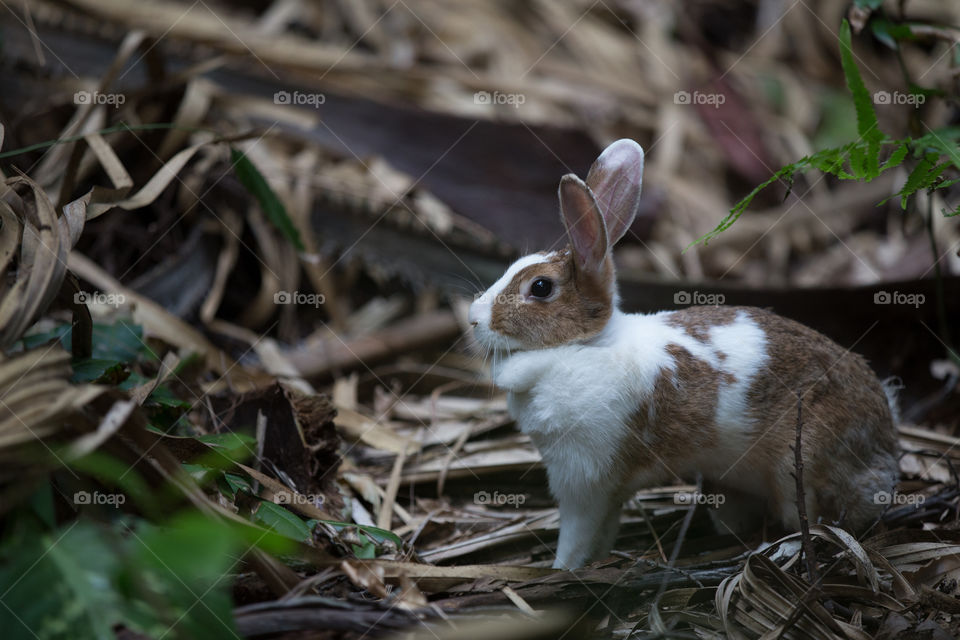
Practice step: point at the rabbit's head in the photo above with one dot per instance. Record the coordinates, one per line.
(552, 298)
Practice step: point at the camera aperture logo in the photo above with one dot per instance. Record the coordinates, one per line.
(299, 98)
(698, 298)
(299, 298)
(697, 498)
(512, 99)
(299, 498)
(498, 499)
(710, 99)
(95, 97)
(898, 499)
(98, 497)
(99, 298)
(895, 297)
(899, 97)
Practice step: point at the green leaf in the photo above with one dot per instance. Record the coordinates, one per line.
(228, 447)
(38, 339)
(229, 440)
(113, 345)
(231, 484)
(55, 587)
(862, 100)
(896, 158)
(944, 141)
(153, 126)
(121, 341)
(858, 162)
(861, 159)
(890, 33)
(922, 177)
(163, 396)
(829, 161)
(251, 178)
(282, 521)
(784, 173)
(201, 475)
(366, 550)
(41, 502)
(115, 473)
(99, 371)
(177, 577)
(378, 534)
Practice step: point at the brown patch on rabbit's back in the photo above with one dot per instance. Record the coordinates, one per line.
(806, 361)
(848, 436)
(678, 417)
(697, 321)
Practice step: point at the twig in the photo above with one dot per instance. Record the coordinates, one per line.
(681, 536)
(942, 323)
(385, 517)
(806, 541)
(653, 532)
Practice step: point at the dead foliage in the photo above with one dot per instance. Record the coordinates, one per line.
(264, 220)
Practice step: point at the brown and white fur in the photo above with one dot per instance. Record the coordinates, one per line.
(617, 401)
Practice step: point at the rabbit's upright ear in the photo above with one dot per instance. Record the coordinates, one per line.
(584, 223)
(616, 179)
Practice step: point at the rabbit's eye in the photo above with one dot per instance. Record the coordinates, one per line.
(541, 288)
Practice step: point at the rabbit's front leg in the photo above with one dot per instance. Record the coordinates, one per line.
(521, 371)
(589, 519)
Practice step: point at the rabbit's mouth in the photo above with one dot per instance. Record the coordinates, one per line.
(491, 341)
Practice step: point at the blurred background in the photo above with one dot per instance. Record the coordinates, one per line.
(421, 143)
(256, 199)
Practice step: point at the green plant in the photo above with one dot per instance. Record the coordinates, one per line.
(934, 152)
(85, 579)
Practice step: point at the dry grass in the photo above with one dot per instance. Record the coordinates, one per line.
(426, 157)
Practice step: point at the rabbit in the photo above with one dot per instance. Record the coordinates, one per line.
(616, 401)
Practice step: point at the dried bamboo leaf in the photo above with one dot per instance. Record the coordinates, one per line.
(43, 253)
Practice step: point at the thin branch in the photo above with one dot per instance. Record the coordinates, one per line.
(806, 542)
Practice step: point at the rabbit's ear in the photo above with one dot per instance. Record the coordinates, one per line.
(615, 179)
(584, 224)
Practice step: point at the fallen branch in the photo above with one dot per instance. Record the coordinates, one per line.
(410, 334)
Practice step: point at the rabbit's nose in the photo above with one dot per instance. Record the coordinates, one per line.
(473, 316)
